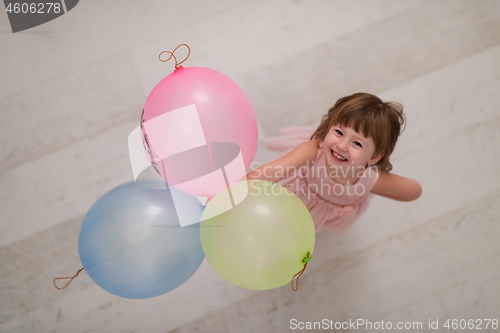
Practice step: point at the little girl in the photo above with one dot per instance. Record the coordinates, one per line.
(342, 163)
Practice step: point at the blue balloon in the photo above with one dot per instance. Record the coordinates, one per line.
(132, 245)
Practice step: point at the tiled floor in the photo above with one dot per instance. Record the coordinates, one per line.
(71, 91)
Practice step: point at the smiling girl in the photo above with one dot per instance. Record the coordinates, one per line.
(338, 168)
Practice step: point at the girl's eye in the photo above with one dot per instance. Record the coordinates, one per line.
(357, 143)
(338, 131)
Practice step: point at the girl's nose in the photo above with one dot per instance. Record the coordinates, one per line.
(343, 145)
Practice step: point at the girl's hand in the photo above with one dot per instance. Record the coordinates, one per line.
(396, 187)
(303, 155)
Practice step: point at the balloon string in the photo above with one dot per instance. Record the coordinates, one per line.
(305, 261)
(172, 55)
(69, 277)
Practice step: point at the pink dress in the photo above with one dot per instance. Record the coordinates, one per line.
(332, 205)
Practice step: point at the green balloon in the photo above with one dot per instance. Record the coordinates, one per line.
(262, 242)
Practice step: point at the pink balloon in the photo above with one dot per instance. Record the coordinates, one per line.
(187, 120)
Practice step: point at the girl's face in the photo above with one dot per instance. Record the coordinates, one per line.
(344, 148)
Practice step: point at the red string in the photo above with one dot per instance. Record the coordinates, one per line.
(172, 55)
(69, 277)
(305, 261)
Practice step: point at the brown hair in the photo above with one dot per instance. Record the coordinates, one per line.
(378, 120)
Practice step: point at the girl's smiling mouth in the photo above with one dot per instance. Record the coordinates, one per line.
(337, 156)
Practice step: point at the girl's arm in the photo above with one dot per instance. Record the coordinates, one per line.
(396, 187)
(304, 154)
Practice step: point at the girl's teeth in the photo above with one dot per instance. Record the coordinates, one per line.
(339, 157)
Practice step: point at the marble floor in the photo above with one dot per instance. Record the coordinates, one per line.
(72, 90)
